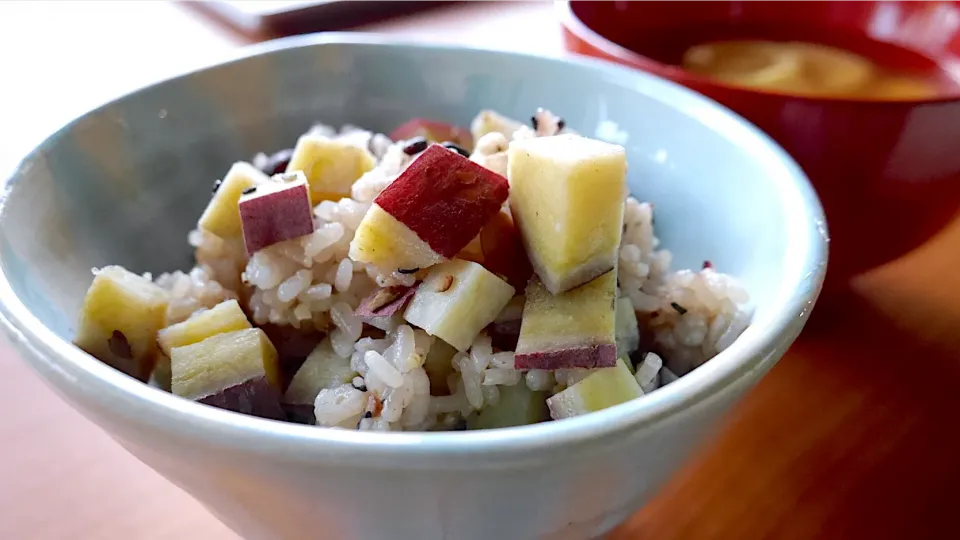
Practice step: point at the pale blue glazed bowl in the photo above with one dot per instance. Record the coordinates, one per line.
(125, 183)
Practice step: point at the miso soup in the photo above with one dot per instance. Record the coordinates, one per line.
(807, 69)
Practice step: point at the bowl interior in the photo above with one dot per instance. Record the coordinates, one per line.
(917, 36)
(126, 183)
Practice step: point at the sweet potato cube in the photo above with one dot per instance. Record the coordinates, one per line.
(119, 320)
(322, 369)
(518, 406)
(439, 365)
(238, 371)
(225, 317)
(567, 196)
(222, 217)
(434, 209)
(330, 166)
(275, 212)
(601, 389)
(456, 301)
(627, 329)
(575, 329)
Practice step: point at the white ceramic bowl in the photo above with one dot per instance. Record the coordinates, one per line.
(125, 183)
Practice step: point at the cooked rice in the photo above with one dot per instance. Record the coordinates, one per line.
(310, 283)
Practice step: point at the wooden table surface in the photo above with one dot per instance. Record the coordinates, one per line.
(853, 435)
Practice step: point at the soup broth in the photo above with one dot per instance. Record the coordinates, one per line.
(807, 69)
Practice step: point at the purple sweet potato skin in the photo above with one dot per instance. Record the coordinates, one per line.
(275, 217)
(594, 356)
(256, 397)
(445, 199)
(364, 310)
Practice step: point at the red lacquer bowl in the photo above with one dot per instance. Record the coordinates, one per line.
(888, 173)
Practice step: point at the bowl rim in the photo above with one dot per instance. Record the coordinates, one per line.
(582, 31)
(155, 410)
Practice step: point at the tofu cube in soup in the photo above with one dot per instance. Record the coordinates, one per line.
(433, 131)
(575, 329)
(237, 371)
(330, 166)
(434, 209)
(322, 369)
(119, 320)
(456, 301)
(274, 212)
(222, 217)
(567, 195)
(601, 389)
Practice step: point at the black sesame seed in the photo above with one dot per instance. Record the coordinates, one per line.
(216, 185)
(249, 190)
(560, 125)
(415, 146)
(707, 264)
(680, 309)
(455, 148)
(407, 270)
(368, 414)
(534, 122)
(362, 388)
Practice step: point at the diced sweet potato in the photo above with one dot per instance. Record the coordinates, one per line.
(627, 329)
(456, 301)
(331, 166)
(238, 371)
(575, 329)
(567, 196)
(504, 331)
(518, 406)
(434, 131)
(439, 365)
(503, 251)
(119, 320)
(322, 369)
(390, 245)
(225, 317)
(274, 212)
(601, 389)
(434, 209)
(161, 371)
(472, 251)
(222, 216)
